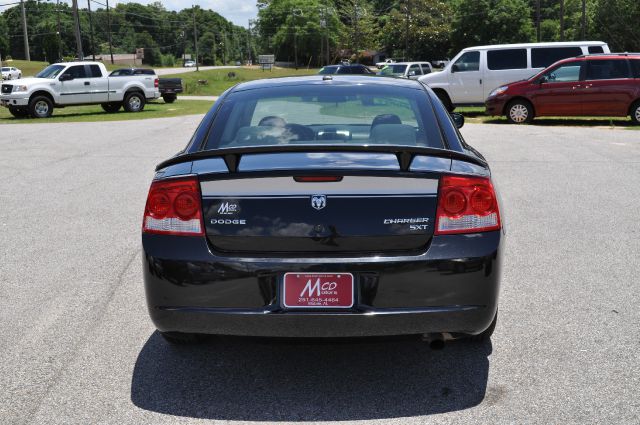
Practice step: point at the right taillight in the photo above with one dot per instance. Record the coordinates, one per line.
(466, 205)
(174, 208)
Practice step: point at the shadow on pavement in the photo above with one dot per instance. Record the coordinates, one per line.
(292, 380)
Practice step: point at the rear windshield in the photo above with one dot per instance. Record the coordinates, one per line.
(393, 70)
(328, 70)
(323, 114)
(6, 69)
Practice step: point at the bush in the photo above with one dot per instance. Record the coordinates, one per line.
(168, 60)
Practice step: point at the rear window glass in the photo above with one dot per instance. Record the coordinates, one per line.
(596, 49)
(635, 67)
(393, 70)
(507, 59)
(542, 57)
(328, 70)
(607, 69)
(95, 71)
(329, 115)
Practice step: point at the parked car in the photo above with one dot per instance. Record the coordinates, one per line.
(189, 63)
(412, 70)
(169, 87)
(10, 73)
(474, 72)
(324, 207)
(597, 85)
(77, 83)
(345, 68)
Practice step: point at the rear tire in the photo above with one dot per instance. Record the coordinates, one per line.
(486, 335)
(111, 107)
(519, 111)
(169, 98)
(19, 111)
(40, 107)
(634, 112)
(180, 338)
(134, 102)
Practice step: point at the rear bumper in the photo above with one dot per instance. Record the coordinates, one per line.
(451, 288)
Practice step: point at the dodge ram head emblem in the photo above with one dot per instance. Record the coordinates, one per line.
(318, 201)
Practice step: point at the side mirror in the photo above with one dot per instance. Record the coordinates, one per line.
(454, 68)
(66, 77)
(412, 73)
(458, 119)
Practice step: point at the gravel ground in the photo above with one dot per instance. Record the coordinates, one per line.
(77, 347)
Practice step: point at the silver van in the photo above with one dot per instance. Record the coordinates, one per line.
(475, 71)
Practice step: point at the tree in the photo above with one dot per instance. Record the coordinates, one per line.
(418, 30)
(478, 22)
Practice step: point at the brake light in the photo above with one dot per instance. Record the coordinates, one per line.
(156, 82)
(466, 205)
(174, 208)
(317, 179)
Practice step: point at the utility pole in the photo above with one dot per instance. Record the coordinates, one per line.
(59, 32)
(93, 46)
(561, 20)
(538, 20)
(406, 30)
(249, 41)
(584, 18)
(195, 36)
(356, 35)
(27, 56)
(109, 33)
(76, 18)
(296, 13)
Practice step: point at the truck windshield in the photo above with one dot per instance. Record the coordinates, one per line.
(393, 70)
(51, 71)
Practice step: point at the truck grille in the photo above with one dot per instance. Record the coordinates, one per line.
(6, 88)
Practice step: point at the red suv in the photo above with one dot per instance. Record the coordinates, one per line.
(603, 85)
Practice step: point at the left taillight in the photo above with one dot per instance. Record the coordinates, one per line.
(466, 205)
(156, 82)
(174, 208)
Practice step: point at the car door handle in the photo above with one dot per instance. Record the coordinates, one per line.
(86, 83)
(586, 86)
(576, 87)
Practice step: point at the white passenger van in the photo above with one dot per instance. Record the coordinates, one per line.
(475, 71)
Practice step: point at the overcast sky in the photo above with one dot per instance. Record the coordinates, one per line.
(236, 11)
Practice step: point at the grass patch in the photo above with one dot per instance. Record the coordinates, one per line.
(28, 68)
(476, 114)
(94, 113)
(218, 80)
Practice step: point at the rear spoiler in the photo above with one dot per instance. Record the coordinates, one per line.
(405, 154)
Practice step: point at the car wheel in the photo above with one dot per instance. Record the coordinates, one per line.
(19, 76)
(9, 77)
(40, 107)
(635, 113)
(180, 338)
(484, 336)
(19, 112)
(519, 112)
(134, 102)
(111, 107)
(446, 101)
(169, 98)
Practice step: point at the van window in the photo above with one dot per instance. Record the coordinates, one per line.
(635, 67)
(425, 68)
(595, 49)
(567, 72)
(469, 61)
(507, 59)
(607, 69)
(542, 57)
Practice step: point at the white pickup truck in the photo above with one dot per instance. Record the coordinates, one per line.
(77, 83)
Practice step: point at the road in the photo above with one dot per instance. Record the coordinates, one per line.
(77, 347)
(182, 70)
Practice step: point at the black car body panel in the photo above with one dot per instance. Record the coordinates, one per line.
(374, 218)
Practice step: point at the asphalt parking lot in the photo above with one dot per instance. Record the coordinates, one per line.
(77, 347)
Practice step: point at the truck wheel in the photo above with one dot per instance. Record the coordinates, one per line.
(111, 107)
(519, 111)
(40, 107)
(444, 98)
(169, 98)
(134, 102)
(635, 113)
(19, 112)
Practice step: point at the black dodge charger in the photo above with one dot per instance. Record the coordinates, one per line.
(324, 207)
